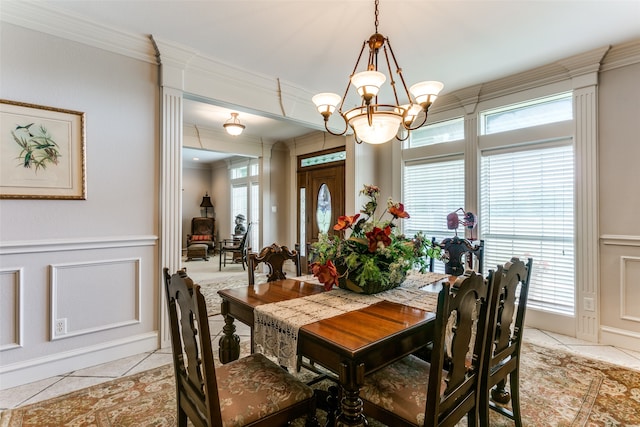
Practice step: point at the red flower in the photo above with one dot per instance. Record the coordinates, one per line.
(378, 235)
(345, 222)
(327, 274)
(398, 211)
(370, 190)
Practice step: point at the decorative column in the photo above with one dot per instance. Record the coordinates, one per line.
(172, 63)
(584, 78)
(585, 107)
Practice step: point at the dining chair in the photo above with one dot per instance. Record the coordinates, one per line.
(307, 260)
(238, 251)
(274, 257)
(502, 353)
(414, 392)
(461, 255)
(251, 391)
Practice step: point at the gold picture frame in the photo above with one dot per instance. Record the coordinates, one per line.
(42, 152)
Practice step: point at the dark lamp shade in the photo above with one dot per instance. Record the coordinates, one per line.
(206, 202)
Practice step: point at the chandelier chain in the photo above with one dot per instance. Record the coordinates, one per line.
(377, 2)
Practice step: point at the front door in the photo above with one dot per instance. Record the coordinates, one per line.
(320, 195)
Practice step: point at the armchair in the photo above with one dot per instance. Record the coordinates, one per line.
(202, 230)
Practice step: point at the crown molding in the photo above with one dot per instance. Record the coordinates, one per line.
(622, 55)
(40, 17)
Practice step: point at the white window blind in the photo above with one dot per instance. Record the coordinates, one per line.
(527, 210)
(431, 191)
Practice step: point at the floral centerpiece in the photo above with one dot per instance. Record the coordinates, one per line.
(374, 257)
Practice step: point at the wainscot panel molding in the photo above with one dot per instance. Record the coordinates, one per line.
(84, 243)
(629, 289)
(108, 303)
(11, 303)
(620, 240)
(44, 367)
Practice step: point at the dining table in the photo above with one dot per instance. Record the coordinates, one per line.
(349, 334)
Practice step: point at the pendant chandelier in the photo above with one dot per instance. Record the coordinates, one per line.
(233, 125)
(371, 121)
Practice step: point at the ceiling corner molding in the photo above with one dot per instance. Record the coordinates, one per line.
(622, 55)
(585, 63)
(43, 18)
(172, 54)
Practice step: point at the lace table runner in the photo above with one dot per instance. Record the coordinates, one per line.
(276, 325)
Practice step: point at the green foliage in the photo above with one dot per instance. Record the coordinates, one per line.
(363, 270)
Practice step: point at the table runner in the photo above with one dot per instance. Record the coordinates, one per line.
(276, 325)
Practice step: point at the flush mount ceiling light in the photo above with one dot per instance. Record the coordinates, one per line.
(373, 122)
(233, 125)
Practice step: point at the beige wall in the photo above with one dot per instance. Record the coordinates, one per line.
(619, 174)
(92, 262)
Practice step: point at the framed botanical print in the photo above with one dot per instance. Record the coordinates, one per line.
(42, 152)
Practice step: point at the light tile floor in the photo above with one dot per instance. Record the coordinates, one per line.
(62, 384)
(75, 380)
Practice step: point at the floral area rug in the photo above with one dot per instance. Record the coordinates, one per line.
(557, 389)
(210, 288)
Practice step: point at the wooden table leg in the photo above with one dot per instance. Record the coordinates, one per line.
(351, 378)
(229, 342)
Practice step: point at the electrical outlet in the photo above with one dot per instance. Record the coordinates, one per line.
(61, 326)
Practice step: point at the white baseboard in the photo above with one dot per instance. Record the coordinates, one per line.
(621, 338)
(60, 363)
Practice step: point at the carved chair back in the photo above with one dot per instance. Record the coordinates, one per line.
(274, 257)
(502, 354)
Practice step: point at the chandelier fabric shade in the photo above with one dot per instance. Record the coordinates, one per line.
(374, 122)
(233, 125)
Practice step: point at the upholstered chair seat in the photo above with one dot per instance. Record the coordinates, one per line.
(254, 387)
(401, 388)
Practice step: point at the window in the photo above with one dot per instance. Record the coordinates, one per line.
(245, 197)
(239, 201)
(431, 191)
(527, 210)
(533, 113)
(449, 130)
(324, 158)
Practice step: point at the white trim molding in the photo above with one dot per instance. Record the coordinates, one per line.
(31, 370)
(627, 284)
(17, 274)
(620, 240)
(84, 269)
(60, 245)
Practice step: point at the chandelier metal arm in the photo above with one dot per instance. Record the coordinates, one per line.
(410, 128)
(392, 81)
(405, 137)
(346, 126)
(355, 67)
(399, 72)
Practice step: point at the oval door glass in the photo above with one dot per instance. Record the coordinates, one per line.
(323, 212)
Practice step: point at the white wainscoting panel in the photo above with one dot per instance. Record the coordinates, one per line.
(11, 303)
(94, 296)
(630, 288)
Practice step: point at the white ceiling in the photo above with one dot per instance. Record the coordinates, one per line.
(314, 44)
